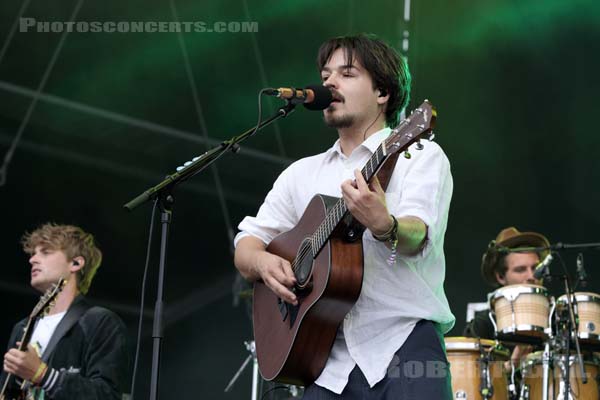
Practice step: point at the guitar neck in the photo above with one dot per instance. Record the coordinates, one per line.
(28, 332)
(339, 211)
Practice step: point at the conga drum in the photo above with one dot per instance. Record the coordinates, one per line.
(477, 365)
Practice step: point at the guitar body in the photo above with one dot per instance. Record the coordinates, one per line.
(293, 342)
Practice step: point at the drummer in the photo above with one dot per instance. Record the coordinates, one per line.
(501, 269)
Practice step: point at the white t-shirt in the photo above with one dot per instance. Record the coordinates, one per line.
(44, 329)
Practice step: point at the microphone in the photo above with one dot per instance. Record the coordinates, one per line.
(581, 274)
(541, 269)
(314, 97)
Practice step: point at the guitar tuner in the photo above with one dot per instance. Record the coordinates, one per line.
(431, 136)
(419, 145)
(421, 126)
(407, 155)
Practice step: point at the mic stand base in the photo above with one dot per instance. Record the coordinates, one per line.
(255, 375)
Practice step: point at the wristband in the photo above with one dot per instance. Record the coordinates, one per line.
(39, 374)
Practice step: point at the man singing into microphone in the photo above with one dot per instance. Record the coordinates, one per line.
(77, 351)
(402, 312)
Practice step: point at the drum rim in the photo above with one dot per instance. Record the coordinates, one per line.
(519, 289)
(476, 345)
(523, 328)
(530, 360)
(585, 297)
(588, 336)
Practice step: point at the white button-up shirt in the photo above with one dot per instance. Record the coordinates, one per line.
(393, 298)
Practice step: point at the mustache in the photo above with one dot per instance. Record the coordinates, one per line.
(337, 95)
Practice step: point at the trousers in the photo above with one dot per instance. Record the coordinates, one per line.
(418, 371)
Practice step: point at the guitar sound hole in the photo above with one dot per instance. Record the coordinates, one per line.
(304, 264)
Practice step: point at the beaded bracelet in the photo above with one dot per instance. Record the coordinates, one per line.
(390, 236)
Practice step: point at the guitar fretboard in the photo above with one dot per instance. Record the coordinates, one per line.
(339, 210)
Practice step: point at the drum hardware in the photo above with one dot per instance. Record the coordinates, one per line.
(512, 387)
(532, 377)
(292, 390)
(485, 383)
(524, 394)
(546, 358)
(571, 324)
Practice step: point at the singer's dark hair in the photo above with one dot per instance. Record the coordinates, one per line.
(389, 71)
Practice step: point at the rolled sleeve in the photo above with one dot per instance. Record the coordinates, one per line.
(426, 193)
(275, 215)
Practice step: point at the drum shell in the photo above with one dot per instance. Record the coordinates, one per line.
(521, 310)
(588, 307)
(465, 368)
(532, 372)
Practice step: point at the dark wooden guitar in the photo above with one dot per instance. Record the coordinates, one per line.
(41, 308)
(325, 251)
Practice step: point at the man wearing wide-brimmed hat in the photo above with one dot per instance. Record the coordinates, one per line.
(500, 268)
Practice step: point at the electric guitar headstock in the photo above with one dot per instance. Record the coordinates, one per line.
(46, 301)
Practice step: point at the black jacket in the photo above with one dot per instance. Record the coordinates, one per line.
(90, 362)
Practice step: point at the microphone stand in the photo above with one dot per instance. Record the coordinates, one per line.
(163, 193)
(572, 324)
(552, 247)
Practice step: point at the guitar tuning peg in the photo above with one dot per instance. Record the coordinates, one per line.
(431, 136)
(419, 145)
(407, 155)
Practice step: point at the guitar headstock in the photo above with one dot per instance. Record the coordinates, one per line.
(419, 124)
(47, 299)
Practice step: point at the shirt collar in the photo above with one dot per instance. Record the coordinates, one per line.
(371, 143)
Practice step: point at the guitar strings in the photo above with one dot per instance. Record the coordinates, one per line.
(304, 252)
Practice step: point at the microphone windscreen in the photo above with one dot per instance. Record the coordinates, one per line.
(323, 98)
